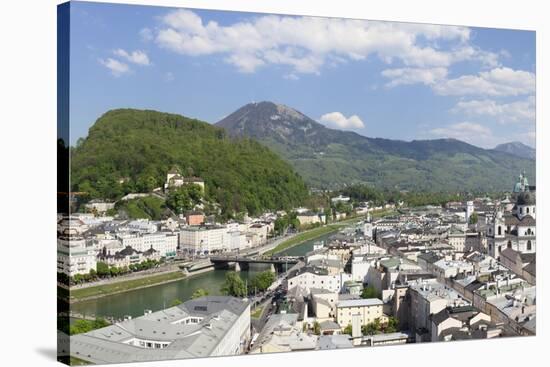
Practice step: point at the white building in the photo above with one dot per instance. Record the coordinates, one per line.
(203, 327)
(73, 256)
(164, 242)
(340, 199)
(203, 239)
(307, 278)
(174, 179)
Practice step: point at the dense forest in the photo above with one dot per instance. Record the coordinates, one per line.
(130, 150)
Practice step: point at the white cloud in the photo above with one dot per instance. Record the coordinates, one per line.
(403, 76)
(469, 132)
(305, 44)
(136, 57)
(116, 67)
(501, 81)
(146, 34)
(339, 121)
(517, 111)
(497, 82)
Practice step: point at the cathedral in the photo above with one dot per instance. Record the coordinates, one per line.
(514, 229)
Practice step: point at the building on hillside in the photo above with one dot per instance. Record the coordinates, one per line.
(340, 199)
(203, 327)
(99, 206)
(174, 179)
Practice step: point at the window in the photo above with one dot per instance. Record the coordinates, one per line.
(520, 210)
(527, 210)
(499, 230)
(509, 244)
(529, 245)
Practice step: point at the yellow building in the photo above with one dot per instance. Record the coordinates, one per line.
(368, 310)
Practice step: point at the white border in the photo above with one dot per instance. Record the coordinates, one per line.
(28, 155)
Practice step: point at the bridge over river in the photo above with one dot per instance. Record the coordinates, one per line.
(244, 262)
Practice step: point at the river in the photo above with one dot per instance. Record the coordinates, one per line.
(134, 303)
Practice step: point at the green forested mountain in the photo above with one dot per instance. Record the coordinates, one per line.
(328, 158)
(130, 150)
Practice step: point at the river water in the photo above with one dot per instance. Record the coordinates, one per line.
(134, 303)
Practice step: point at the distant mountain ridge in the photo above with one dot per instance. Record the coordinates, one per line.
(518, 149)
(332, 158)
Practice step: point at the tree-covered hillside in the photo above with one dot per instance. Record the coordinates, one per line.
(130, 150)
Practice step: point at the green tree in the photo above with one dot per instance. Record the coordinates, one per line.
(84, 326)
(234, 285)
(372, 328)
(328, 214)
(184, 198)
(200, 292)
(392, 325)
(370, 292)
(102, 269)
(348, 329)
(93, 274)
(316, 328)
(474, 218)
(175, 302)
(262, 280)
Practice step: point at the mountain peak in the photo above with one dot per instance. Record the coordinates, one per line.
(518, 149)
(268, 119)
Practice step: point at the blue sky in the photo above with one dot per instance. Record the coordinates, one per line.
(379, 79)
